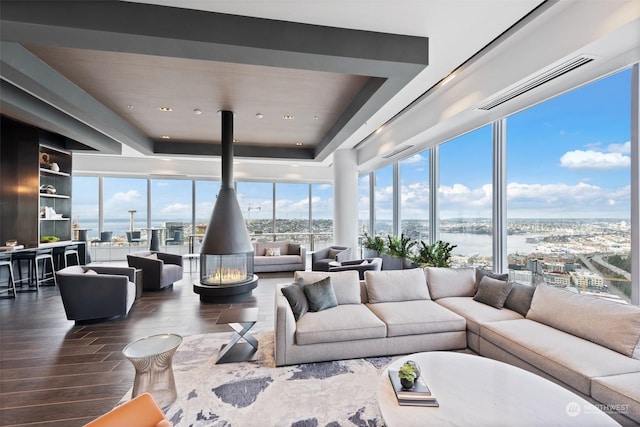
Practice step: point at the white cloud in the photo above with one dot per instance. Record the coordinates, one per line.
(176, 208)
(416, 158)
(590, 159)
(126, 196)
(620, 148)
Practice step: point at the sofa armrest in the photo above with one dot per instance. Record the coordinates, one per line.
(303, 255)
(130, 272)
(284, 327)
(170, 258)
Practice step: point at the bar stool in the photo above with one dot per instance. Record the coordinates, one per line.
(5, 262)
(45, 255)
(71, 251)
(18, 258)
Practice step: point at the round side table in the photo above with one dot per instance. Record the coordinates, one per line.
(152, 357)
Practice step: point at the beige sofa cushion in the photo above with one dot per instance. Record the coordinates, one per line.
(417, 317)
(451, 282)
(347, 322)
(621, 392)
(611, 324)
(396, 285)
(572, 360)
(477, 313)
(346, 284)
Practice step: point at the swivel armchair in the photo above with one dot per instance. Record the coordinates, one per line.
(159, 269)
(320, 259)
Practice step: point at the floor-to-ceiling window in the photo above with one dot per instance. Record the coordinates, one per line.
(125, 207)
(322, 215)
(85, 209)
(465, 197)
(364, 205)
(568, 189)
(383, 201)
(171, 209)
(256, 203)
(292, 212)
(206, 193)
(414, 196)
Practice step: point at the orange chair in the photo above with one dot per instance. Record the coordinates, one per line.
(139, 412)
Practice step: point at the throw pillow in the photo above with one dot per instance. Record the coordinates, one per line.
(493, 292)
(333, 253)
(90, 271)
(519, 299)
(152, 256)
(272, 252)
(346, 284)
(293, 249)
(296, 298)
(482, 273)
(320, 295)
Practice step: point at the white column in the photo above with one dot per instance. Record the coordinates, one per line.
(345, 199)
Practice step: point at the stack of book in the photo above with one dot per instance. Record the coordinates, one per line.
(419, 395)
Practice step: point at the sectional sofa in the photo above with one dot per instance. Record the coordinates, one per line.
(588, 345)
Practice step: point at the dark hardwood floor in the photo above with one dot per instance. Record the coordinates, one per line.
(54, 373)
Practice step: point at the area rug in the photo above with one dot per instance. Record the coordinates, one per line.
(341, 393)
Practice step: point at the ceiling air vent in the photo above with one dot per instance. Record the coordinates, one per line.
(396, 151)
(536, 81)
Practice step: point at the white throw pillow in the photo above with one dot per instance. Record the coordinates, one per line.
(272, 251)
(396, 285)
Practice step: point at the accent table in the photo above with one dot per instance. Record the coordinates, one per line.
(240, 320)
(152, 357)
(477, 391)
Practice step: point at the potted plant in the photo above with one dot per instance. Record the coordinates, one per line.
(397, 252)
(437, 254)
(373, 246)
(408, 373)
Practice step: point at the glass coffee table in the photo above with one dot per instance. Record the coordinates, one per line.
(152, 358)
(240, 320)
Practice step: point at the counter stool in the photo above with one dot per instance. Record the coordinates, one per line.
(71, 251)
(45, 255)
(18, 258)
(5, 262)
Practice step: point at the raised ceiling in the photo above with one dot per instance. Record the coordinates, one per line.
(98, 71)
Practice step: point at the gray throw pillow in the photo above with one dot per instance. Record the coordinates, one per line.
(480, 273)
(493, 292)
(519, 299)
(297, 299)
(293, 249)
(320, 295)
(333, 253)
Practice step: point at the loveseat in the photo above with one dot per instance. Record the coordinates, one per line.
(160, 270)
(588, 345)
(278, 256)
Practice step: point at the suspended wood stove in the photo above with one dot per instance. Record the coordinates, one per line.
(226, 255)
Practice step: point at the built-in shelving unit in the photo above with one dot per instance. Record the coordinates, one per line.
(35, 184)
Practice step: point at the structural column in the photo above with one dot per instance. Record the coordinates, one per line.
(345, 199)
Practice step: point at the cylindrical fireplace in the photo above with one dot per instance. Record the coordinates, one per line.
(226, 256)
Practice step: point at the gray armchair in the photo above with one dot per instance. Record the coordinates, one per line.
(320, 259)
(96, 292)
(159, 269)
(360, 265)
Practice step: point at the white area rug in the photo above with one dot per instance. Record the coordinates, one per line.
(341, 393)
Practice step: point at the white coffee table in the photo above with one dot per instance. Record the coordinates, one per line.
(477, 391)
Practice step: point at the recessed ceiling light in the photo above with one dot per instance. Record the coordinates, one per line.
(165, 109)
(130, 107)
(315, 117)
(299, 144)
(236, 140)
(197, 111)
(288, 117)
(165, 137)
(259, 115)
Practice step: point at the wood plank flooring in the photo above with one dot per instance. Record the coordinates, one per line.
(54, 373)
